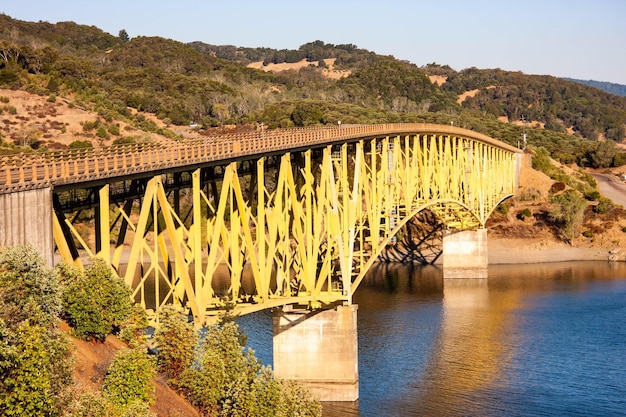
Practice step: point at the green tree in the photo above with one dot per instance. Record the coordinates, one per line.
(176, 340)
(123, 35)
(35, 358)
(306, 114)
(129, 379)
(135, 330)
(567, 211)
(95, 302)
(603, 154)
(28, 289)
(226, 381)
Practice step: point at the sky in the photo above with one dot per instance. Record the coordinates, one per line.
(564, 38)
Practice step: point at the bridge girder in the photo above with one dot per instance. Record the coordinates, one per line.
(304, 230)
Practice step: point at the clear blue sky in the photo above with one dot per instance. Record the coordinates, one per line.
(569, 38)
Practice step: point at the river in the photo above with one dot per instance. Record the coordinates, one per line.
(531, 340)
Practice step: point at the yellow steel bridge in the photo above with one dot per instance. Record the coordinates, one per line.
(264, 219)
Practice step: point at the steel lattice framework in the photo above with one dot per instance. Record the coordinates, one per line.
(292, 226)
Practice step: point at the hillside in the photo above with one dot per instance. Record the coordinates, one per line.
(617, 89)
(92, 361)
(318, 83)
(67, 84)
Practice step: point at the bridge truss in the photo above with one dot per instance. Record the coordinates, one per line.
(299, 226)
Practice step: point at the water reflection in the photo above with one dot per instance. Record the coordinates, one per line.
(529, 340)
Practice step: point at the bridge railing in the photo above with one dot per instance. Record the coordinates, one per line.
(35, 170)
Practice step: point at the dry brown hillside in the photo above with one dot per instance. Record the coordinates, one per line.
(55, 122)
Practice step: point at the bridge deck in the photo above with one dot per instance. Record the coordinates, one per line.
(37, 170)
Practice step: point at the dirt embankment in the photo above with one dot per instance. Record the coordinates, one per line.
(93, 360)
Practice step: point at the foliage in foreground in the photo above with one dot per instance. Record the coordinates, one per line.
(95, 302)
(129, 377)
(223, 380)
(35, 358)
(36, 363)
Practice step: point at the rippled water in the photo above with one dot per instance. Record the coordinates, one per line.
(531, 340)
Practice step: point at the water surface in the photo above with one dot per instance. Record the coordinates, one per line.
(531, 340)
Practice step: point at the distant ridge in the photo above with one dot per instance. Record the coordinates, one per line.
(617, 89)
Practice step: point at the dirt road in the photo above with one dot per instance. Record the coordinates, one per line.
(611, 187)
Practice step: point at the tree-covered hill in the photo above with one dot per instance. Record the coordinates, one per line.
(617, 89)
(214, 86)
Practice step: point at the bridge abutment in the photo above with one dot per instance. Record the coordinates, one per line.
(26, 218)
(465, 254)
(318, 349)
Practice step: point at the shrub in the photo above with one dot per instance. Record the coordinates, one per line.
(35, 359)
(114, 129)
(135, 329)
(124, 140)
(28, 289)
(592, 195)
(95, 302)
(176, 340)
(604, 205)
(524, 214)
(502, 208)
(101, 132)
(530, 194)
(25, 369)
(52, 98)
(568, 210)
(80, 144)
(89, 126)
(226, 381)
(129, 379)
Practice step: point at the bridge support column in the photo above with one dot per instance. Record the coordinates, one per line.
(465, 254)
(26, 218)
(319, 349)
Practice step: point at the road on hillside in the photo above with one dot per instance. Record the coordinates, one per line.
(611, 187)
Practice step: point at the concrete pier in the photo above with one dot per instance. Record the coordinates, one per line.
(465, 254)
(26, 217)
(319, 349)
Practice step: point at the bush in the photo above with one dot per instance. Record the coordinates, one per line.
(124, 140)
(524, 214)
(80, 144)
(95, 302)
(101, 132)
(592, 195)
(557, 187)
(502, 208)
(226, 381)
(35, 359)
(114, 129)
(604, 205)
(129, 379)
(135, 330)
(89, 404)
(89, 126)
(176, 340)
(530, 194)
(568, 210)
(29, 291)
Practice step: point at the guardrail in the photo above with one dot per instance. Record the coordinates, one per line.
(36, 170)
